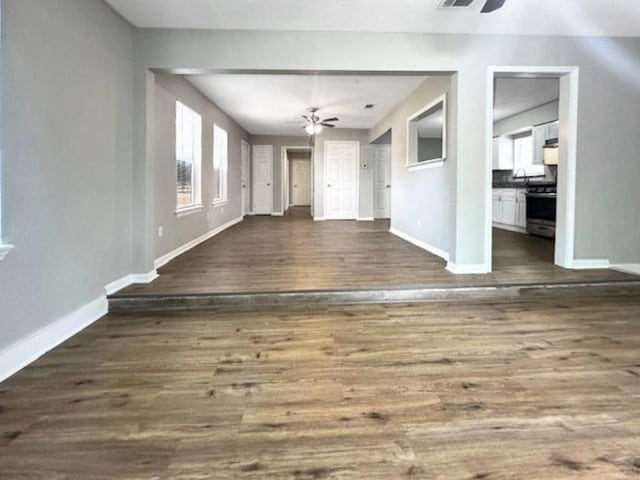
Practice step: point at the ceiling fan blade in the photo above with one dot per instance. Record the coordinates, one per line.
(334, 119)
(328, 125)
(492, 5)
(306, 118)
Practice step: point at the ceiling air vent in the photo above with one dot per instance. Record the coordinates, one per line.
(455, 4)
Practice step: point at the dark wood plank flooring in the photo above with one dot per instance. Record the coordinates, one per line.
(526, 389)
(295, 253)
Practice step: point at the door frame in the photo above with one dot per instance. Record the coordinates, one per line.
(253, 197)
(375, 169)
(246, 173)
(357, 180)
(285, 194)
(568, 76)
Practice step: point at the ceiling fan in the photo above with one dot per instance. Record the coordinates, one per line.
(489, 5)
(314, 124)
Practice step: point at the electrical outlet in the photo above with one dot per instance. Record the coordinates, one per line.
(160, 231)
(419, 224)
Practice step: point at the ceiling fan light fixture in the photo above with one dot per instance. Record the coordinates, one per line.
(310, 129)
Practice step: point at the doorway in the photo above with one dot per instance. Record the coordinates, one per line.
(560, 178)
(297, 177)
(262, 179)
(382, 181)
(342, 162)
(245, 176)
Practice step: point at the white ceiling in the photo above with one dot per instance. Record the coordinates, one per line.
(266, 104)
(516, 95)
(520, 17)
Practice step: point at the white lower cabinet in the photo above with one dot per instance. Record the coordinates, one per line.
(521, 209)
(509, 207)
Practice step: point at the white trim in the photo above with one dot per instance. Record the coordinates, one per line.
(632, 268)
(166, 258)
(144, 277)
(356, 210)
(425, 165)
(130, 279)
(467, 269)
(4, 250)
(183, 212)
(277, 214)
(319, 219)
(419, 243)
(565, 224)
(365, 219)
(434, 161)
(219, 203)
(27, 350)
(590, 263)
(118, 285)
(511, 228)
(247, 176)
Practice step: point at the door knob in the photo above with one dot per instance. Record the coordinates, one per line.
(328, 185)
(268, 184)
(295, 186)
(388, 186)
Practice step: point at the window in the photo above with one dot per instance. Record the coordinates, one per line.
(523, 155)
(188, 157)
(220, 164)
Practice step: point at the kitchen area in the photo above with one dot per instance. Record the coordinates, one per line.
(524, 170)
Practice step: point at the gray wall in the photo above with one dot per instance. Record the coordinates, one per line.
(66, 155)
(421, 201)
(178, 231)
(535, 116)
(607, 141)
(278, 142)
(429, 148)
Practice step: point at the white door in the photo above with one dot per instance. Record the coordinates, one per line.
(245, 179)
(341, 161)
(382, 181)
(301, 182)
(262, 179)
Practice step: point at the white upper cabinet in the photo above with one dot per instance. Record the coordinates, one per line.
(503, 153)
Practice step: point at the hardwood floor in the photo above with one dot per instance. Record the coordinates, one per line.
(526, 389)
(296, 253)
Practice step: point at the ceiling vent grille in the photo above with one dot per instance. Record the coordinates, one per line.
(456, 4)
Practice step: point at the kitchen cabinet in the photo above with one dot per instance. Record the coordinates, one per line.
(509, 208)
(521, 208)
(541, 134)
(503, 153)
(539, 139)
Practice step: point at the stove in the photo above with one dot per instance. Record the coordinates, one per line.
(541, 210)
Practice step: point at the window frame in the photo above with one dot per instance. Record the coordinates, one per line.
(530, 169)
(222, 177)
(195, 158)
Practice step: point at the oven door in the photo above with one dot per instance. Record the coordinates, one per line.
(541, 208)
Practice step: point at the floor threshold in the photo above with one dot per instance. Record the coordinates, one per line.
(204, 301)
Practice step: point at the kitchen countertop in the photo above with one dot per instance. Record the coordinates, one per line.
(523, 184)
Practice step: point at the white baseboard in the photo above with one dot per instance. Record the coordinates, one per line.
(632, 268)
(164, 259)
(277, 214)
(319, 219)
(29, 349)
(467, 269)
(511, 228)
(419, 243)
(365, 219)
(130, 279)
(589, 264)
